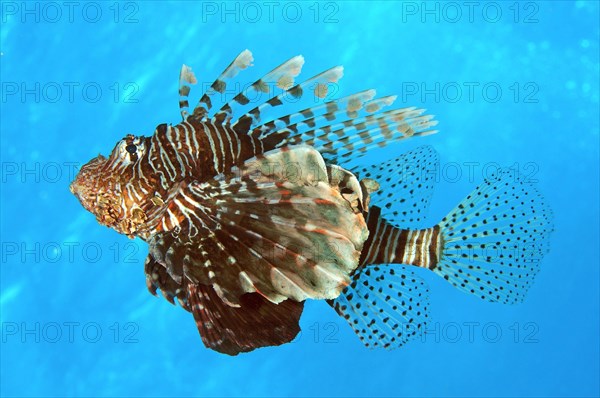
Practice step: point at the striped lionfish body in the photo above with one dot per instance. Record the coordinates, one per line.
(249, 211)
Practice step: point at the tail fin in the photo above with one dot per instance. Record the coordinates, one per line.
(494, 240)
(491, 245)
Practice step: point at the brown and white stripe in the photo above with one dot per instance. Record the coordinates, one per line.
(390, 245)
(198, 150)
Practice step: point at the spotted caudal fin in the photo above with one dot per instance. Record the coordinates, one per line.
(492, 243)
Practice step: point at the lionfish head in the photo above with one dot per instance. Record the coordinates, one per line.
(99, 185)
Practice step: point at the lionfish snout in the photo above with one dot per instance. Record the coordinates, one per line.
(84, 186)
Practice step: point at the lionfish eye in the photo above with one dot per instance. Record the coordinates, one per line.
(131, 148)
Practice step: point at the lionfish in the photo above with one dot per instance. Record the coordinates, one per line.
(249, 211)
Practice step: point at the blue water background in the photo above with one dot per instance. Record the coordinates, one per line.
(549, 346)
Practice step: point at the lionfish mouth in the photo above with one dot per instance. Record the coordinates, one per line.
(83, 186)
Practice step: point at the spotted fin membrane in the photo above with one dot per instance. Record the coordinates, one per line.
(495, 239)
(490, 246)
(387, 304)
(413, 174)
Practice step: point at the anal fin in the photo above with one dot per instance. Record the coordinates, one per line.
(386, 305)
